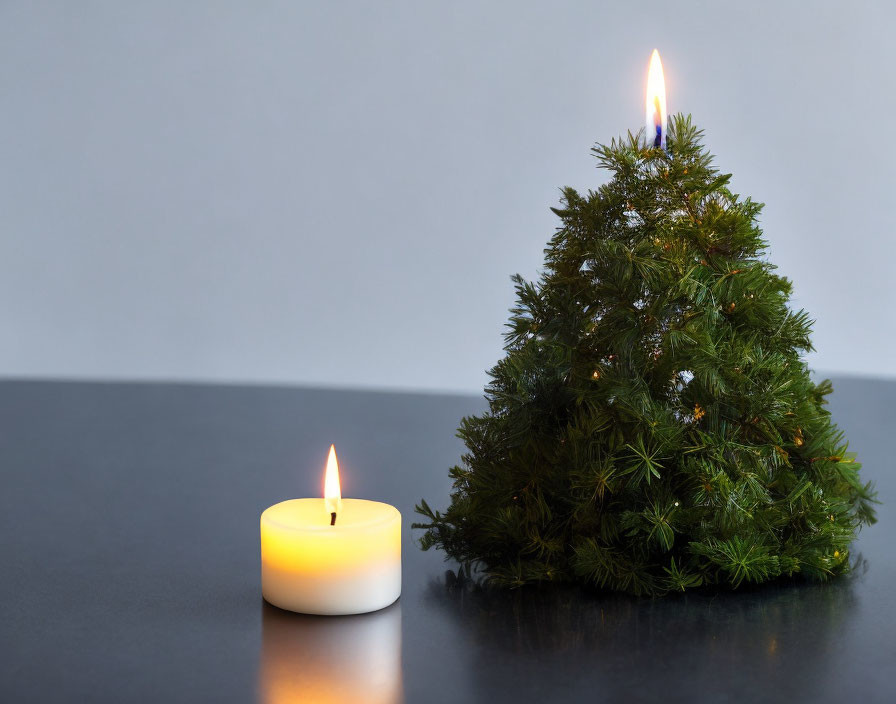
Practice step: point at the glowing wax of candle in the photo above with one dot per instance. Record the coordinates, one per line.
(331, 555)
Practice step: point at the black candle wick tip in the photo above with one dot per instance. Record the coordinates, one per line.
(333, 518)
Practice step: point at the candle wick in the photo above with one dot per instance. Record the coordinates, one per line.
(333, 518)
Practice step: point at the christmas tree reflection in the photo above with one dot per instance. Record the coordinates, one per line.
(725, 640)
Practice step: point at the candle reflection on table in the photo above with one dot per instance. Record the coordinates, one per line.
(331, 659)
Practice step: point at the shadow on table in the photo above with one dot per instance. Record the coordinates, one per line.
(330, 659)
(702, 642)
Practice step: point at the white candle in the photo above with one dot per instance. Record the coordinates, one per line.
(332, 555)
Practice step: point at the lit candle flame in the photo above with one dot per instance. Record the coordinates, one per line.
(656, 103)
(332, 492)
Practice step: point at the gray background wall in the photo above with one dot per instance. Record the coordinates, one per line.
(336, 193)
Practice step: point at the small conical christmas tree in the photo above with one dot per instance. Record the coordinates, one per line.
(653, 426)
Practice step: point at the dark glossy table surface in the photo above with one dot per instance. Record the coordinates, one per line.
(130, 567)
